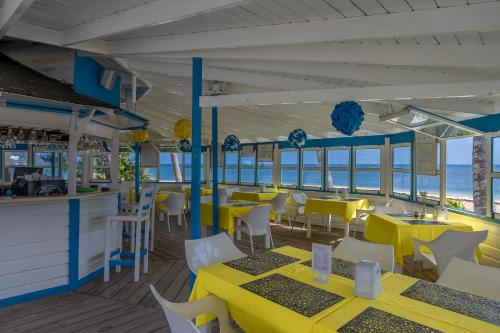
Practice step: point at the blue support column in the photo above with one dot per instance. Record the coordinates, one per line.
(137, 171)
(196, 152)
(215, 173)
(74, 242)
(53, 164)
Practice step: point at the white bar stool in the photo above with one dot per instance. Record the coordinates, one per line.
(114, 247)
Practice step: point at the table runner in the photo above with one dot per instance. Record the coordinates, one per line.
(261, 263)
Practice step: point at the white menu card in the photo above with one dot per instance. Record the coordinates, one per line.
(322, 261)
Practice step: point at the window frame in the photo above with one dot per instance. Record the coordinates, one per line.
(333, 169)
(321, 169)
(296, 168)
(408, 171)
(242, 167)
(440, 161)
(92, 179)
(354, 169)
(232, 167)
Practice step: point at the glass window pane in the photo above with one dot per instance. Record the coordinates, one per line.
(496, 154)
(231, 175)
(311, 178)
(401, 183)
(149, 174)
(401, 158)
(265, 175)
(310, 159)
(289, 177)
(16, 158)
(459, 173)
(367, 180)
(368, 158)
(289, 158)
(247, 175)
(339, 158)
(167, 162)
(231, 158)
(496, 195)
(338, 178)
(429, 184)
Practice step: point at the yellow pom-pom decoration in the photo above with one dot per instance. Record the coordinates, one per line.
(182, 129)
(139, 136)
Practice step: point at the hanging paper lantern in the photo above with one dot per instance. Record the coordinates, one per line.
(297, 138)
(139, 136)
(184, 145)
(231, 143)
(182, 129)
(347, 117)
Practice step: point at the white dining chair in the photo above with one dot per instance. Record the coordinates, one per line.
(354, 250)
(361, 216)
(300, 200)
(180, 315)
(279, 206)
(174, 206)
(210, 250)
(470, 277)
(450, 244)
(256, 223)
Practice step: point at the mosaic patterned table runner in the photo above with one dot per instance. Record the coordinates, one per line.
(329, 197)
(339, 267)
(470, 305)
(424, 222)
(350, 200)
(261, 263)
(292, 294)
(243, 204)
(375, 320)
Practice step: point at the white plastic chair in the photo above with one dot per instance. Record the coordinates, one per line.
(279, 205)
(300, 200)
(210, 250)
(174, 206)
(450, 244)
(361, 216)
(472, 278)
(180, 315)
(256, 223)
(354, 250)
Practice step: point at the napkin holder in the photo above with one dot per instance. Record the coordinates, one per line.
(346, 194)
(367, 279)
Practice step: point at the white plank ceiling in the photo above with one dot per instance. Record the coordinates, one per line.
(240, 43)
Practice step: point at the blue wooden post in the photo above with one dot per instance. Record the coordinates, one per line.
(215, 173)
(53, 164)
(196, 152)
(137, 171)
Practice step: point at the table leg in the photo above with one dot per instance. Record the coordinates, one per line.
(179, 220)
(267, 243)
(238, 233)
(308, 219)
(329, 222)
(346, 230)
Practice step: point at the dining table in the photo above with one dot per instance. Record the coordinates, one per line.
(254, 196)
(277, 291)
(399, 229)
(333, 205)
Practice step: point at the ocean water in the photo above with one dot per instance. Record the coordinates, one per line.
(458, 179)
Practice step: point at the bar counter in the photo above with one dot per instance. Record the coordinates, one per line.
(50, 245)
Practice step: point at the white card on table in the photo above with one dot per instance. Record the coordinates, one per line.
(322, 260)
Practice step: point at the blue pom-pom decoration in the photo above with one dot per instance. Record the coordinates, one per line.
(297, 138)
(184, 145)
(347, 117)
(231, 143)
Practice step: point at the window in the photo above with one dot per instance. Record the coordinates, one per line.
(367, 169)
(79, 167)
(265, 172)
(459, 174)
(231, 167)
(339, 168)
(430, 183)
(247, 168)
(187, 167)
(495, 157)
(49, 161)
(149, 174)
(12, 159)
(289, 168)
(496, 195)
(101, 168)
(401, 171)
(170, 167)
(311, 168)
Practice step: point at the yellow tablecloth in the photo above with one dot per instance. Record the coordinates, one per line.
(257, 314)
(344, 209)
(203, 191)
(254, 196)
(227, 215)
(385, 229)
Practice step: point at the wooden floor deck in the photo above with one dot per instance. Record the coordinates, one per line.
(124, 306)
